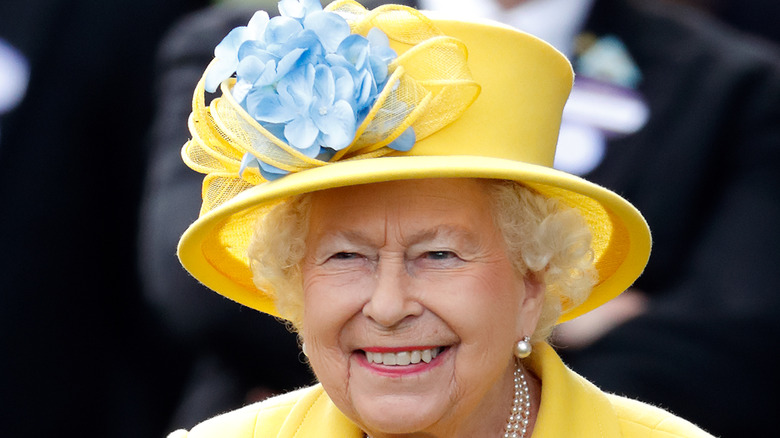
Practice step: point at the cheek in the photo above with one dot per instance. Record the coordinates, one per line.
(341, 294)
(330, 302)
(484, 301)
(330, 305)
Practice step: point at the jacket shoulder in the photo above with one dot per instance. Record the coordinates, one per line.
(639, 419)
(259, 419)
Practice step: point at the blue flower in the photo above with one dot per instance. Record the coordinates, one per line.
(226, 51)
(305, 78)
(330, 110)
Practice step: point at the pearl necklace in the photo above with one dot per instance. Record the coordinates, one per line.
(517, 423)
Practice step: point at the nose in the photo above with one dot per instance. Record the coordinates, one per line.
(392, 299)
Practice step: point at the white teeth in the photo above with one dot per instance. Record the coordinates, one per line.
(403, 357)
(389, 358)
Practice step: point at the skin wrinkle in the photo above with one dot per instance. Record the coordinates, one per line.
(404, 281)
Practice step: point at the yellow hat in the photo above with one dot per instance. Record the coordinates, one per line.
(484, 101)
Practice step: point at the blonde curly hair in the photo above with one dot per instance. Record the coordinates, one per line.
(543, 238)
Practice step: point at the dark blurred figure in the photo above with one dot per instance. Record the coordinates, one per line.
(759, 17)
(705, 172)
(234, 355)
(701, 160)
(79, 354)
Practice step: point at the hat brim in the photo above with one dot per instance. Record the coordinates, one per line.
(214, 248)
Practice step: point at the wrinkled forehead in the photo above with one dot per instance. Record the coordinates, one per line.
(414, 208)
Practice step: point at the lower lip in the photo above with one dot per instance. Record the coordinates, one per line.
(399, 370)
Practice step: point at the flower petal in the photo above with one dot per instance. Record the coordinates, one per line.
(301, 133)
(288, 62)
(280, 29)
(366, 90)
(268, 76)
(345, 84)
(324, 86)
(296, 88)
(308, 41)
(256, 49)
(219, 71)
(338, 125)
(291, 8)
(247, 161)
(331, 28)
(312, 151)
(250, 69)
(354, 49)
(380, 45)
(270, 172)
(265, 106)
(405, 141)
(276, 129)
(378, 69)
(299, 9)
(226, 54)
(241, 89)
(229, 45)
(257, 25)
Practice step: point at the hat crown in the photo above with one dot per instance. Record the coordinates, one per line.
(524, 85)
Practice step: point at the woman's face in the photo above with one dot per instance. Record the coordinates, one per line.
(412, 306)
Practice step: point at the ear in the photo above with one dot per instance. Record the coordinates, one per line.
(530, 305)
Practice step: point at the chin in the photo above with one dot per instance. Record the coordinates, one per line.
(400, 416)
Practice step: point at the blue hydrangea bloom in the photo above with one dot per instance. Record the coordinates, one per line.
(305, 78)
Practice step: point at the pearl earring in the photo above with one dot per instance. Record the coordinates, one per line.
(303, 348)
(523, 348)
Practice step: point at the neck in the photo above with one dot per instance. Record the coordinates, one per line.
(490, 419)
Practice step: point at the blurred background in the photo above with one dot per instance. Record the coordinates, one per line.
(676, 107)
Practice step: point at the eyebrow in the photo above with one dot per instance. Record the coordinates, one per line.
(445, 230)
(420, 236)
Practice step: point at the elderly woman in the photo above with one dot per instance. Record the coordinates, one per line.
(381, 180)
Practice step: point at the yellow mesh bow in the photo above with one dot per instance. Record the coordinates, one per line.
(429, 86)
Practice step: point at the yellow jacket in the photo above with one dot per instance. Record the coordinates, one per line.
(570, 407)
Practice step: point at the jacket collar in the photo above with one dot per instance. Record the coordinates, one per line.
(570, 405)
(315, 413)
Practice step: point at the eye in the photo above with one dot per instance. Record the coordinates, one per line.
(440, 255)
(345, 256)
(345, 260)
(438, 259)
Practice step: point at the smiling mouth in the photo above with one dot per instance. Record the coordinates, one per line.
(401, 358)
